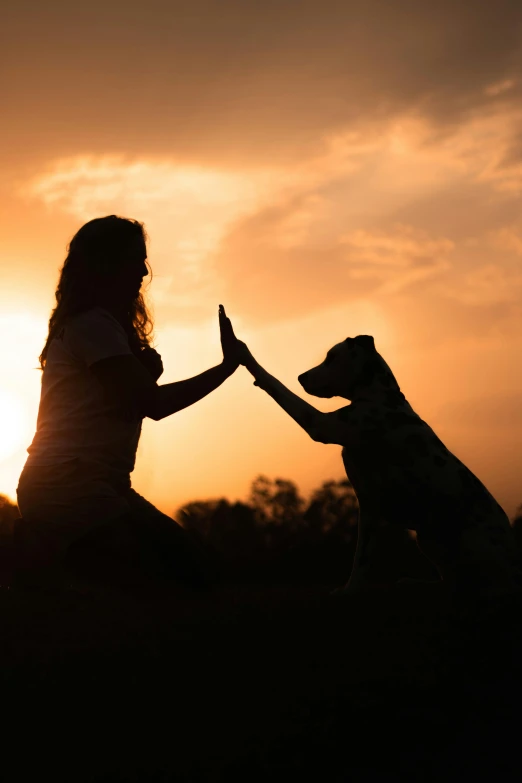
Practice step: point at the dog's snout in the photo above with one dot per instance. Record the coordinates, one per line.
(304, 379)
(313, 382)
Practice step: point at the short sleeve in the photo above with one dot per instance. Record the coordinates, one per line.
(94, 335)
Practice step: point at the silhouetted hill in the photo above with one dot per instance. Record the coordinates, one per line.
(257, 684)
(274, 680)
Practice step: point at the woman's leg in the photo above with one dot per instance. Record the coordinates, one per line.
(61, 506)
(169, 553)
(78, 525)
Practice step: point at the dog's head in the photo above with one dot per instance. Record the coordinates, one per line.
(349, 366)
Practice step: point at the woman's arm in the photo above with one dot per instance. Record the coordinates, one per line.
(131, 390)
(172, 397)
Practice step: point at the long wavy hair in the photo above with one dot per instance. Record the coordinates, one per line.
(96, 249)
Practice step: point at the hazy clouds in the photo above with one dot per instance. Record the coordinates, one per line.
(240, 81)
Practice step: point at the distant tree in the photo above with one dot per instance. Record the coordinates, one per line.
(276, 501)
(333, 509)
(277, 521)
(8, 513)
(277, 536)
(229, 528)
(277, 508)
(198, 515)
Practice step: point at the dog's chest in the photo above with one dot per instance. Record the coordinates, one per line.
(380, 452)
(352, 471)
(363, 465)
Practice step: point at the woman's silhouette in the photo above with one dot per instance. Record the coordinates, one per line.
(79, 512)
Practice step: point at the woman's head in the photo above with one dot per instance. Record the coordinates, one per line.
(105, 265)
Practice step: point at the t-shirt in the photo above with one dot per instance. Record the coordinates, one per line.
(74, 419)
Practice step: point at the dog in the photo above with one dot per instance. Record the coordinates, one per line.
(402, 473)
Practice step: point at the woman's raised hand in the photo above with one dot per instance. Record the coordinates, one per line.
(229, 341)
(235, 351)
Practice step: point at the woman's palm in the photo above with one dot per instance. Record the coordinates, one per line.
(229, 342)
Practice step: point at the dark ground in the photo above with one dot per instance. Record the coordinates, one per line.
(258, 684)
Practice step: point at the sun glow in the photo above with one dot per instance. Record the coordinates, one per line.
(23, 335)
(13, 425)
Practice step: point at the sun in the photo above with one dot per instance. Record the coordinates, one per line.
(13, 424)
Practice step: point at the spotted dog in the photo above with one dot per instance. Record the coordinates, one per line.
(402, 473)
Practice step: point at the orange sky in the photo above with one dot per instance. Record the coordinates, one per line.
(323, 169)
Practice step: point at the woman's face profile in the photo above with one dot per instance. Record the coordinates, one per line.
(127, 277)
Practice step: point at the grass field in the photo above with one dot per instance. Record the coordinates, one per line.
(258, 684)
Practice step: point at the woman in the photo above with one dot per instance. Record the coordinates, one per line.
(79, 511)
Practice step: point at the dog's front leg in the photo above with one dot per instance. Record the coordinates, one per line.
(308, 417)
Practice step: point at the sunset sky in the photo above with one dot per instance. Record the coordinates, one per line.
(323, 169)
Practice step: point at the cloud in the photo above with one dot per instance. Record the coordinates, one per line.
(490, 272)
(381, 213)
(489, 284)
(197, 203)
(414, 214)
(396, 258)
(246, 82)
(312, 275)
(187, 211)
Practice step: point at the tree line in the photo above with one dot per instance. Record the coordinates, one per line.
(277, 536)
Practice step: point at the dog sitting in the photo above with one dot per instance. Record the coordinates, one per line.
(402, 473)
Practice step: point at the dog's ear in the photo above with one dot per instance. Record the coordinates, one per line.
(366, 341)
